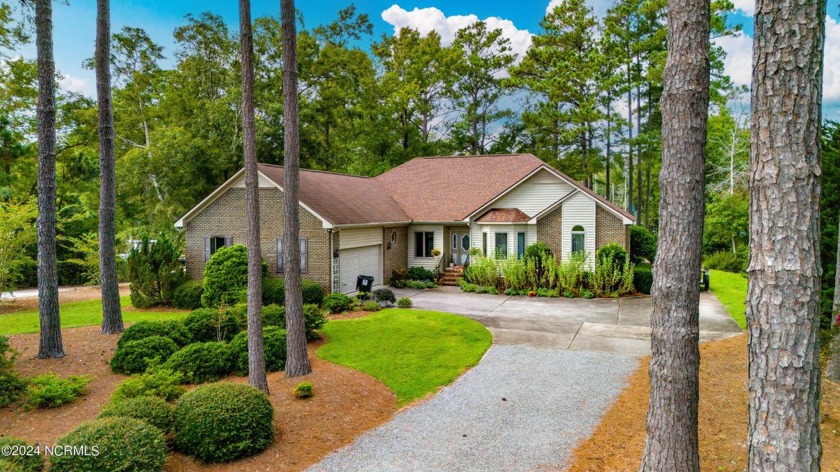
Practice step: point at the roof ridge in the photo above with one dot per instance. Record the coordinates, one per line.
(302, 169)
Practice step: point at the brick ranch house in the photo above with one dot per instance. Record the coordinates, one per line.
(351, 226)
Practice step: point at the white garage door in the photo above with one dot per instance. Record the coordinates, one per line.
(360, 261)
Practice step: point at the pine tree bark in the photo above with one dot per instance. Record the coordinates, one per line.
(297, 360)
(256, 351)
(672, 441)
(112, 321)
(783, 297)
(51, 345)
(832, 366)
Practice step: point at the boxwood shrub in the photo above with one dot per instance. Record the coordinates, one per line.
(209, 324)
(273, 291)
(136, 356)
(313, 320)
(223, 422)
(202, 362)
(152, 410)
(51, 391)
(337, 302)
(642, 278)
(274, 345)
(174, 330)
(156, 382)
(124, 444)
(188, 295)
(24, 463)
(274, 315)
(312, 292)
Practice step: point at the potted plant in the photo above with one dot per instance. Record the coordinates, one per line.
(435, 252)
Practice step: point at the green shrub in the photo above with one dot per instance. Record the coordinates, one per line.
(226, 276)
(642, 244)
(404, 302)
(483, 271)
(12, 386)
(614, 252)
(313, 320)
(152, 410)
(726, 261)
(202, 362)
(51, 391)
(209, 324)
(534, 260)
(274, 345)
(643, 278)
(337, 302)
(304, 389)
(419, 273)
(136, 356)
(570, 274)
(587, 294)
(20, 460)
(188, 295)
(274, 315)
(313, 293)
(384, 295)
(371, 305)
(157, 382)
(123, 444)
(568, 294)
(223, 422)
(419, 284)
(612, 275)
(398, 276)
(155, 271)
(174, 330)
(273, 291)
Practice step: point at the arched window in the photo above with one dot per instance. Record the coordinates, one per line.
(578, 239)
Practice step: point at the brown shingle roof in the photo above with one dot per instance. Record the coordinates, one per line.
(439, 189)
(342, 199)
(504, 215)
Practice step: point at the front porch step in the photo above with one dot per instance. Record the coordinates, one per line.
(451, 275)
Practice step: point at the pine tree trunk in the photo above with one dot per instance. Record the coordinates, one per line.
(607, 192)
(297, 361)
(832, 366)
(783, 298)
(639, 188)
(629, 179)
(112, 321)
(256, 352)
(672, 442)
(50, 344)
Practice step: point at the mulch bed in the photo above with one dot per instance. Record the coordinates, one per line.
(346, 404)
(618, 442)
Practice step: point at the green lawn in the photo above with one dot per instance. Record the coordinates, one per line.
(413, 352)
(87, 313)
(731, 290)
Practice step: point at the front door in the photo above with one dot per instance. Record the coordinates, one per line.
(460, 246)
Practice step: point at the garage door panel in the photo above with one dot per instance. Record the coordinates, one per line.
(360, 261)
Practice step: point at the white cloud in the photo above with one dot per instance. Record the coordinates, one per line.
(425, 20)
(75, 84)
(738, 62)
(599, 7)
(747, 7)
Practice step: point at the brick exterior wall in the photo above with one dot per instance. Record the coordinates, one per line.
(397, 255)
(609, 229)
(550, 230)
(226, 217)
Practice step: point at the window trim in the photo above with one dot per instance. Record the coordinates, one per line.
(424, 248)
(496, 246)
(520, 244)
(578, 232)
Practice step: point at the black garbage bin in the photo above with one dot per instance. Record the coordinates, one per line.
(364, 283)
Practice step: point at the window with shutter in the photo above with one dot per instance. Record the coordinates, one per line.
(304, 255)
(280, 255)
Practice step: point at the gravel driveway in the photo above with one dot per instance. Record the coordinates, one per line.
(521, 408)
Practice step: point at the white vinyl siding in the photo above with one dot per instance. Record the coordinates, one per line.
(360, 261)
(579, 209)
(264, 182)
(430, 263)
(478, 229)
(360, 237)
(534, 194)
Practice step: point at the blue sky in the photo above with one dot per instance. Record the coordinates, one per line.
(74, 25)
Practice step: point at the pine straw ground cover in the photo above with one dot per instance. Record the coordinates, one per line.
(346, 404)
(618, 441)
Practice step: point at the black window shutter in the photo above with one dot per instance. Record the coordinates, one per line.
(207, 249)
(280, 254)
(304, 253)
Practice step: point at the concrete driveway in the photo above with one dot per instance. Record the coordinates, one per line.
(619, 325)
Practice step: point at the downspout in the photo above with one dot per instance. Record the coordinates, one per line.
(332, 261)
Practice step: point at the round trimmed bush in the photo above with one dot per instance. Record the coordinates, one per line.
(223, 422)
(274, 315)
(208, 324)
(202, 362)
(135, 356)
(174, 330)
(337, 302)
(642, 244)
(23, 463)
(274, 345)
(613, 252)
(404, 302)
(384, 295)
(226, 276)
(312, 292)
(188, 295)
(313, 319)
(643, 278)
(273, 291)
(124, 444)
(152, 410)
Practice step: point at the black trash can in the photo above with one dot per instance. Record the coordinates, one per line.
(364, 283)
